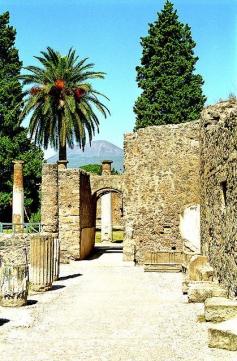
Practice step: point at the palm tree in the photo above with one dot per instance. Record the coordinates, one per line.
(61, 103)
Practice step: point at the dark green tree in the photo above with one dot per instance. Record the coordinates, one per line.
(14, 143)
(171, 91)
(97, 169)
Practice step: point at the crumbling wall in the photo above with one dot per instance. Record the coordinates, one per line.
(67, 209)
(161, 179)
(69, 212)
(14, 248)
(49, 198)
(219, 190)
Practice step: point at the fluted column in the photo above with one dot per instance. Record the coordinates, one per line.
(18, 197)
(14, 281)
(41, 262)
(56, 259)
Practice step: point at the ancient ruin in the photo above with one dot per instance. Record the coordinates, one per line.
(176, 201)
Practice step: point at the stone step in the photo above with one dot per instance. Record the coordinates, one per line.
(199, 291)
(224, 335)
(218, 309)
(163, 267)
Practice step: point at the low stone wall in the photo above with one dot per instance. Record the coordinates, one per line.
(219, 190)
(14, 248)
(161, 180)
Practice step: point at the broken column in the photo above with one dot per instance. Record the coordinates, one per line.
(18, 197)
(14, 281)
(106, 207)
(41, 262)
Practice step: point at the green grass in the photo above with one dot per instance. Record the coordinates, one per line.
(117, 236)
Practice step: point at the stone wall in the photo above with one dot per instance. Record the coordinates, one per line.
(69, 212)
(161, 180)
(219, 190)
(67, 209)
(49, 197)
(14, 248)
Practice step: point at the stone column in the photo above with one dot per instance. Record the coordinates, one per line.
(41, 262)
(106, 207)
(56, 259)
(18, 197)
(14, 281)
(106, 167)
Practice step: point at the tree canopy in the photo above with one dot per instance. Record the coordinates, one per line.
(61, 102)
(171, 90)
(14, 143)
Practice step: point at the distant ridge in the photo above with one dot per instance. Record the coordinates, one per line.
(100, 150)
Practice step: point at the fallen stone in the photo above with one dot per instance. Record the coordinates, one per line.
(196, 269)
(198, 292)
(218, 309)
(224, 335)
(205, 273)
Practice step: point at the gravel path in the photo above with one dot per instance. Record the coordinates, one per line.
(105, 310)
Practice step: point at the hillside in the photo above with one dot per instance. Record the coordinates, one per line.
(100, 150)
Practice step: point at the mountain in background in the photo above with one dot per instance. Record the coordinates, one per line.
(98, 151)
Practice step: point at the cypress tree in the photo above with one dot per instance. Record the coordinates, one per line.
(14, 143)
(171, 91)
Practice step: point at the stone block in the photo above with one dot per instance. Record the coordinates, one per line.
(219, 309)
(198, 292)
(205, 273)
(195, 264)
(224, 335)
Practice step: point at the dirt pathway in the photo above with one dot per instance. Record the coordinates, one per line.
(104, 310)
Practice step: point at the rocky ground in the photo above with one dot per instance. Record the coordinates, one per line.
(104, 310)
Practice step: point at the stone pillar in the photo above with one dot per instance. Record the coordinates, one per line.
(106, 218)
(14, 281)
(18, 197)
(62, 164)
(41, 262)
(106, 207)
(49, 198)
(56, 259)
(106, 167)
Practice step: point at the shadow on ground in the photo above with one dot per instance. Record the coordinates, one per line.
(3, 321)
(56, 287)
(64, 278)
(100, 250)
(31, 302)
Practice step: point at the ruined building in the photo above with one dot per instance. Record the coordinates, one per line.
(178, 192)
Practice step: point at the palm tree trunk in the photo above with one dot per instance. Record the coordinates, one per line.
(62, 152)
(62, 147)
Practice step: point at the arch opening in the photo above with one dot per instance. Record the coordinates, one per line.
(108, 216)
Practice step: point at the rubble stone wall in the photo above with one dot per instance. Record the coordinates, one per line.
(49, 196)
(161, 179)
(69, 212)
(219, 190)
(14, 248)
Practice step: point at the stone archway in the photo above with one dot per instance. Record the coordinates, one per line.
(108, 203)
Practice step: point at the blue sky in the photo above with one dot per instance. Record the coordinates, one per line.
(109, 31)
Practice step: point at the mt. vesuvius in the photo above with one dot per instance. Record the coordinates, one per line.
(100, 150)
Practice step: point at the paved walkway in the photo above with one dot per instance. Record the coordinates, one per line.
(104, 310)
